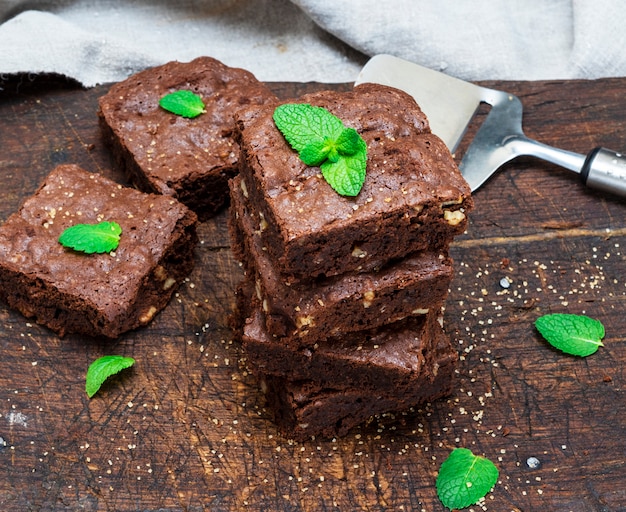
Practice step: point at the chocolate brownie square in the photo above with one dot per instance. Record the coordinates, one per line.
(303, 409)
(94, 294)
(304, 313)
(391, 357)
(189, 159)
(414, 196)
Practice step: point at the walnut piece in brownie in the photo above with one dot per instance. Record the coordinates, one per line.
(94, 294)
(304, 313)
(414, 196)
(189, 159)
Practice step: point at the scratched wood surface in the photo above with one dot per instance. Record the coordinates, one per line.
(186, 429)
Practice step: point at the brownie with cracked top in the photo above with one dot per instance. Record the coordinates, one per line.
(302, 314)
(414, 196)
(189, 159)
(94, 294)
(306, 408)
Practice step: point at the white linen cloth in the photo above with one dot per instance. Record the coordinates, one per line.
(97, 41)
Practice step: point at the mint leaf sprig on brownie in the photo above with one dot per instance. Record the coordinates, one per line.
(183, 103)
(92, 238)
(321, 139)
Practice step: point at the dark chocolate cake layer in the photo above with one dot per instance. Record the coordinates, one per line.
(392, 357)
(303, 409)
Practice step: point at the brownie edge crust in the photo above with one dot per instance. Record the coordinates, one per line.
(94, 294)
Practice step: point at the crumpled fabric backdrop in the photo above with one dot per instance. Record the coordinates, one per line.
(99, 41)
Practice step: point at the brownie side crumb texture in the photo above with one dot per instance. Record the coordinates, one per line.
(414, 196)
(390, 358)
(303, 409)
(190, 159)
(304, 313)
(95, 294)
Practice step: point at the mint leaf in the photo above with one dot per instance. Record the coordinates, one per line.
(465, 478)
(101, 369)
(321, 139)
(350, 142)
(346, 175)
(92, 238)
(315, 152)
(183, 103)
(302, 124)
(577, 335)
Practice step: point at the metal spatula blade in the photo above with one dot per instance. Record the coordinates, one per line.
(450, 105)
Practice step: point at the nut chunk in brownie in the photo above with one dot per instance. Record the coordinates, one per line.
(161, 152)
(102, 293)
(413, 198)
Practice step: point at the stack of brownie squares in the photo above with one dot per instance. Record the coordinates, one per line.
(340, 310)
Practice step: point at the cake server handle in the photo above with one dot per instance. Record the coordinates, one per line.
(601, 169)
(500, 139)
(605, 169)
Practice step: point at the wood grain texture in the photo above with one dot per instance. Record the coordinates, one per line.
(186, 429)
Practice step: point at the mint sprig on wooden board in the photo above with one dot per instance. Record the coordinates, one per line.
(103, 368)
(321, 139)
(92, 238)
(465, 478)
(578, 335)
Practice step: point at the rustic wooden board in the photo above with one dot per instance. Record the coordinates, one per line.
(186, 428)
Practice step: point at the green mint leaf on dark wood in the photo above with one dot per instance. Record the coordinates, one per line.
(92, 238)
(577, 335)
(101, 369)
(183, 103)
(465, 478)
(321, 139)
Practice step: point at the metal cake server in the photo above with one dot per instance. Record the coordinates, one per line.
(450, 105)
